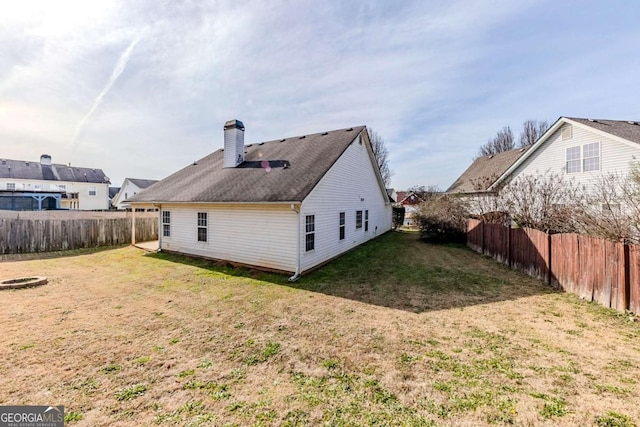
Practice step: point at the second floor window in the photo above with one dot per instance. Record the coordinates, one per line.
(92, 191)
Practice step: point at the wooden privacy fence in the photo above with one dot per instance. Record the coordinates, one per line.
(32, 234)
(594, 269)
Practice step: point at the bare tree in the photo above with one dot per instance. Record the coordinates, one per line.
(503, 141)
(532, 131)
(382, 156)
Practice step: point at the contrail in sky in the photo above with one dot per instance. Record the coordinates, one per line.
(119, 68)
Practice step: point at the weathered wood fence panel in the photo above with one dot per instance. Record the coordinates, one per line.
(529, 252)
(45, 235)
(496, 242)
(594, 269)
(474, 234)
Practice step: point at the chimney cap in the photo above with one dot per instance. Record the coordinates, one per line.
(230, 124)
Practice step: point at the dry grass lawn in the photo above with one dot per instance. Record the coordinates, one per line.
(397, 332)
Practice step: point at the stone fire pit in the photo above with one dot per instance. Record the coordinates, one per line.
(22, 282)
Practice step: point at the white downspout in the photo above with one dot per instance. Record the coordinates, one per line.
(296, 275)
(159, 206)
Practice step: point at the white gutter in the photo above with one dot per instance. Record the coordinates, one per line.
(296, 275)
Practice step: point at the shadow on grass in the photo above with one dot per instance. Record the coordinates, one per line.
(399, 271)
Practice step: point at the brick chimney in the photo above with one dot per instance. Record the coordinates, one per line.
(233, 143)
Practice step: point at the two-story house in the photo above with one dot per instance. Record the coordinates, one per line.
(43, 185)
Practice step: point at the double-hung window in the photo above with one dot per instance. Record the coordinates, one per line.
(92, 191)
(366, 220)
(202, 226)
(342, 225)
(310, 233)
(358, 220)
(591, 157)
(166, 223)
(583, 158)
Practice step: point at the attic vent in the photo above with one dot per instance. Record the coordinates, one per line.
(325, 133)
(522, 149)
(283, 140)
(349, 130)
(262, 143)
(631, 122)
(491, 156)
(593, 120)
(249, 145)
(303, 137)
(26, 163)
(567, 132)
(195, 163)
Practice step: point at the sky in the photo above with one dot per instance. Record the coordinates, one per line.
(142, 88)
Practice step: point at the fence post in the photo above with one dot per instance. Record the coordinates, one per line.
(509, 245)
(549, 275)
(627, 276)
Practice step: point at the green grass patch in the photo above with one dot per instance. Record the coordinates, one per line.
(131, 392)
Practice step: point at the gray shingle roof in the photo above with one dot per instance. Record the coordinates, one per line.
(484, 171)
(113, 191)
(21, 169)
(276, 171)
(623, 129)
(142, 183)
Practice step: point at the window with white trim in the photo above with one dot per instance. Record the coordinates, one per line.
(92, 191)
(591, 157)
(166, 223)
(310, 233)
(585, 158)
(202, 226)
(343, 221)
(358, 220)
(573, 159)
(11, 186)
(366, 220)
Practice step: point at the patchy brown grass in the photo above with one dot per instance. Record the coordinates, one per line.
(395, 333)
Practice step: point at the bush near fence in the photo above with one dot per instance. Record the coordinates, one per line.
(27, 232)
(595, 269)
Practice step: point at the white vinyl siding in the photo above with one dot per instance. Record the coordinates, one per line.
(261, 235)
(349, 186)
(613, 156)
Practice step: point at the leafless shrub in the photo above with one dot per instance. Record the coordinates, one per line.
(545, 202)
(442, 219)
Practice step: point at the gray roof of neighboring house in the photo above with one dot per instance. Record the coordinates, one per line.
(629, 130)
(276, 171)
(113, 191)
(484, 171)
(142, 183)
(21, 169)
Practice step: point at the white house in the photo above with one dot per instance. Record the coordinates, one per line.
(26, 185)
(130, 187)
(581, 150)
(288, 205)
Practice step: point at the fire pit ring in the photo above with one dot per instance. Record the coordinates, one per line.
(23, 282)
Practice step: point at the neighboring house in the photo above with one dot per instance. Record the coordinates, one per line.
(288, 205)
(582, 150)
(410, 201)
(130, 187)
(113, 192)
(26, 185)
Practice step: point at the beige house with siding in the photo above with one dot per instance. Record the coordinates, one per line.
(287, 205)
